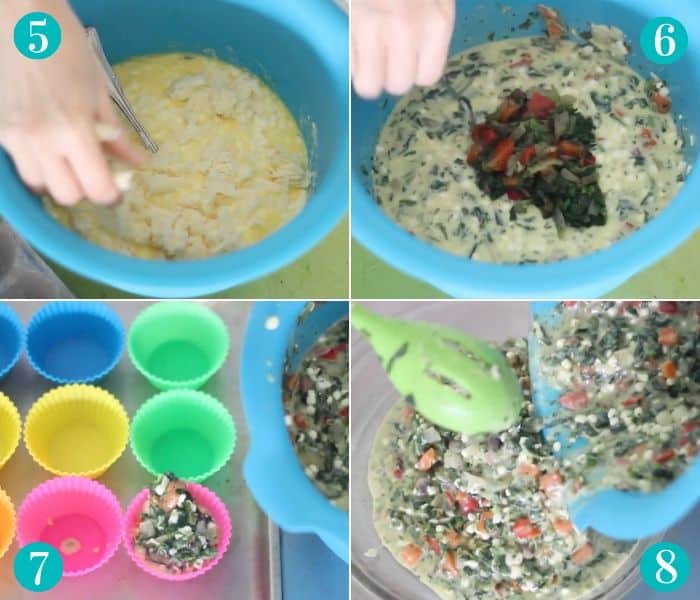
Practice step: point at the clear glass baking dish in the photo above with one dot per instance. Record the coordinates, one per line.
(382, 576)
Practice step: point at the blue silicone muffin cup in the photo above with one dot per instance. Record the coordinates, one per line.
(588, 276)
(285, 493)
(11, 339)
(299, 48)
(75, 342)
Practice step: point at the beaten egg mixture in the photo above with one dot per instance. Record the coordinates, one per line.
(232, 166)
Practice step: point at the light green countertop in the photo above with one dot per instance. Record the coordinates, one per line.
(676, 276)
(320, 274)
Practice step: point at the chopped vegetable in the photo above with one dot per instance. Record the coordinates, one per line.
(560, 178)
(173, 532)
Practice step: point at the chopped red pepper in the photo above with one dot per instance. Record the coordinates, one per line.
(665, 455)
(433, 544)
(525, 529)
(632, 401)
(527, 155)
(508, 110)
(668, 336)
(540, 106)
(668, 308)
(516, 195)
(575, 400)
(568, 148)
(467, 503)
(474, 153)
(501, 155)
(484, 135)
(300, 422)
(345, 411)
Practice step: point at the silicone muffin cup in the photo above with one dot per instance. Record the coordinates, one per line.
(178, 345)
(79, 517)
(10, 429)
(76, 430)
(7, 522)
(186, 432)
(75, 342)
(205, 499)
(11, 339)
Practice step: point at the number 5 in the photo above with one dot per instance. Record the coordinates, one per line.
(659, 38)
(42, 555)
(44, 40)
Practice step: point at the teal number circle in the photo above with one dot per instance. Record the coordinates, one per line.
(37, 35)
(38, 567)
(664, 40)
(664, 567)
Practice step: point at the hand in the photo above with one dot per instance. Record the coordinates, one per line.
(51, 111)
(397, 44)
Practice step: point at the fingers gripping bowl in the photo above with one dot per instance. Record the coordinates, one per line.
(278, 332)
(591, 274)
(274, 41)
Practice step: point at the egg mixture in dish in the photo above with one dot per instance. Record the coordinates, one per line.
(482, 516)
(232, 166)
(531, 149)
(317, 407)
(629, 373)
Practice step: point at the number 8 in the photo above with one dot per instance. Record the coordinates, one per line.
(659, 38)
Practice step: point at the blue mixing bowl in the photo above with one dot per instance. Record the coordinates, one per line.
(589, 276)
(299, 48)
(271, 469)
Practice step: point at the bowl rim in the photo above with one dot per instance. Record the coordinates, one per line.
(180, 279)
(263, 353)
(587, 276)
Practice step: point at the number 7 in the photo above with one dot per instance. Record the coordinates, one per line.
(43, 555)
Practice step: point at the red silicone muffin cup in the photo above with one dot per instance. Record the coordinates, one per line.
(205, 499)
(79, 517)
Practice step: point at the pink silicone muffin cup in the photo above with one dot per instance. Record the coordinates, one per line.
(72, 513)
(205, 499)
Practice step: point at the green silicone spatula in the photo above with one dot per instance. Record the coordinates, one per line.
(456, 381)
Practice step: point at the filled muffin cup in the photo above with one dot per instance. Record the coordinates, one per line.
(205, 500)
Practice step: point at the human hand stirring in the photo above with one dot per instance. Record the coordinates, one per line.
(57, 120)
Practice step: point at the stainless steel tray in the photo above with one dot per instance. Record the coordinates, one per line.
(250, 570)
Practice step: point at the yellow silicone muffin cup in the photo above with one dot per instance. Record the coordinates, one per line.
(76, 430)
(7, 522)
(10, 429)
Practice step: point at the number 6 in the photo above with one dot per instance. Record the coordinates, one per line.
(32, 33)
(659, 38)
(44, 556)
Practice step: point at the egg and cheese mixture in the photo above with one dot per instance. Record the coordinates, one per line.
(232, 166)
(531, 150)
(482, 516)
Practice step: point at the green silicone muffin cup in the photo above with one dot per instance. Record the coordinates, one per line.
(185, 432)
(178, 345)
